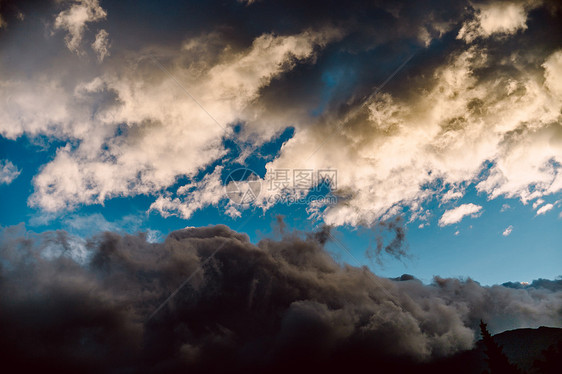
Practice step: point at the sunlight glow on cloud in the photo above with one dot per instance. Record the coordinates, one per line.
(496, 18)
(388, 150)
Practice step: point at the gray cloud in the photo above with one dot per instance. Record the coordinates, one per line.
(276, 304)
(396, 246)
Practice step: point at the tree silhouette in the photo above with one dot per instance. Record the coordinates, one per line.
(497, 360)
(552, 362)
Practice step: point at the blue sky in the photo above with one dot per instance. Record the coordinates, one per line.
(107, 126)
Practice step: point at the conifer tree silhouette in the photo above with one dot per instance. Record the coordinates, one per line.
(497, 360)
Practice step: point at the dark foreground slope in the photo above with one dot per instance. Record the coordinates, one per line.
(521, 346)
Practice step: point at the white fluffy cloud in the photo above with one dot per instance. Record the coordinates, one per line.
(507, 230)
(545, 208)
(455, 215)
(537, 203)
(501, 18)
(8, 172)
(147, 130)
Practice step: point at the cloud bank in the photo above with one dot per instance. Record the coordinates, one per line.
(76, 305)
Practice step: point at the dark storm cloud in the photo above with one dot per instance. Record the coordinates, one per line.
(369, 21)
(376, 37)
(84, 306)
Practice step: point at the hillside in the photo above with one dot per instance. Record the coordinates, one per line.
(521, 346)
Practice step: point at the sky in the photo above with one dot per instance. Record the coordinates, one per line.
(131, 119)
(318, 145)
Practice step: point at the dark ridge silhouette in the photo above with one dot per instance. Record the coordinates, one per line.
(524, 346)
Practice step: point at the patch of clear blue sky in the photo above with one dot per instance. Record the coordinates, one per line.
(533, 249)
(480, 251)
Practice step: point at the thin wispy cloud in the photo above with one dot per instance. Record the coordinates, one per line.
(8, 172)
